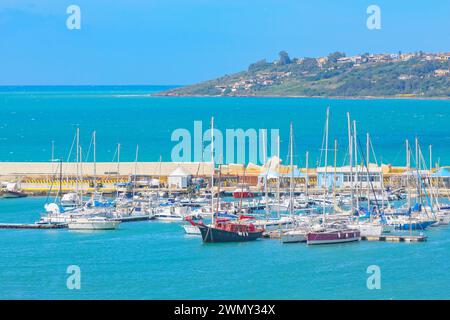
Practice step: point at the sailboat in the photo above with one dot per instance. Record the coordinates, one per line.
(332, 232)
(93, 223)
(225, 230)
(297, 234)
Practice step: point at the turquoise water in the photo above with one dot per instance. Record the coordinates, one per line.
(152, 260)
(31, 117)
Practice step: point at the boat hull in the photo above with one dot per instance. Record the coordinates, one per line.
(210, 234)
(13, 194)
(242, 194)
(106, 225)
(333, 237)
(415, 225)
(293, 237)
(191, 230)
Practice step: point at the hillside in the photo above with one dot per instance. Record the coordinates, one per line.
(368, 75)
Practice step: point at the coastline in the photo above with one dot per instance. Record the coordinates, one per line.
(300, 97)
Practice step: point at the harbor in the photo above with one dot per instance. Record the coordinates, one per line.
(243, 202)
(126, 211)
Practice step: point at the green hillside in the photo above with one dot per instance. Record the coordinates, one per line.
(367, 75)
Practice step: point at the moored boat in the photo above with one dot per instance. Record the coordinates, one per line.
(333, 235)
(226, 231)
(294, 236)
(93, 223)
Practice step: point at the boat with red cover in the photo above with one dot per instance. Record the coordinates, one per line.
(242, 191)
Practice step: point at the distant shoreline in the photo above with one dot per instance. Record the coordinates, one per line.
(301, 97)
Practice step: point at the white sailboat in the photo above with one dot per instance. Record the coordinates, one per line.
(93, 223)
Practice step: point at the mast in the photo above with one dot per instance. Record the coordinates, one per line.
(118, 162)
(307, 176)
(60, 178)
(350, 154)
(77, 159)
(53, 154)
(368, 169)
(95, 160)
(266, 192)
(431, 158)
(212, 172)
(81, 175)
(135, 169)
(279, 178)
(408, 166)
(326, 164)
(419, 191)
(334, 176)
(356, 164)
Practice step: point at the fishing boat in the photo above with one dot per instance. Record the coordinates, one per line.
(229, 231)
(93, 223)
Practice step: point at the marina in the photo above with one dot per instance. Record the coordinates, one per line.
(171, 217)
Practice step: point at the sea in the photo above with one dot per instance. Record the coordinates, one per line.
(154, 260)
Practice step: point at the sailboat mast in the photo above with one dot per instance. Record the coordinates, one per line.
(279, 178)
(135, 169)
(326, 164)
(350, 155)
(335, 176)
(77, 160)
(291, 184)
(356, 164)
(307, 175)
(81, 175)
(408, 167)
(118, 161)
(266, 192)
(212, 171)
(368, 169)
(431, 157)
(95, 160)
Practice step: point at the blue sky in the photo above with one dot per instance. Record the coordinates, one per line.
(185, 41)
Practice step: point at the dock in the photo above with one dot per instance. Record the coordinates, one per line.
(386, 238)
(31, 226)
(396, 238)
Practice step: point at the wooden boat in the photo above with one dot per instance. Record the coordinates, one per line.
(229, 231)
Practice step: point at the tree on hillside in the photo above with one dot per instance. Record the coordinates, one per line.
(333, 57)
(284, 58)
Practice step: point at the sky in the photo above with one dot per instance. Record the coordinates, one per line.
(177, 42)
